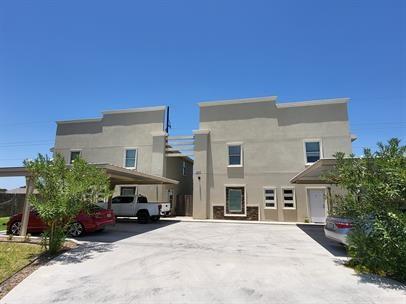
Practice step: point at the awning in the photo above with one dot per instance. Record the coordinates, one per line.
(314, 173)
(117, 175)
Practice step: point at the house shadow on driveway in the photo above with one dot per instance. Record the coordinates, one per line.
(123, 229)
(316, 232)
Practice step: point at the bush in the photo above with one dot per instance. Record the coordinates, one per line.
(378, 245)
(376, 196)
(63, 192)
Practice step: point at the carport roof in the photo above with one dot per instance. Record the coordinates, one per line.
(314, 173)
(117, 175)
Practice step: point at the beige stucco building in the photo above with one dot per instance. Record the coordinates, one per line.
(133, 139)
(248, 150)
(246, 153)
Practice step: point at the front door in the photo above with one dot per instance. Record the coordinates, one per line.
(317, 205)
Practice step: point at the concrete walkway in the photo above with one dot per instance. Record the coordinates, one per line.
(192, 262)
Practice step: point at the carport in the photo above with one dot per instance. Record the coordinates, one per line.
(117, 176)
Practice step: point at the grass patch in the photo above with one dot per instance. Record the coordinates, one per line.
(3, 221)
(14, 256)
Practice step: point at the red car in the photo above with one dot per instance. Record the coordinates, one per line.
(96, 220)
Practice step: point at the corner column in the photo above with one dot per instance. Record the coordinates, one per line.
(201, 195)
(26, 210)
(158, 164)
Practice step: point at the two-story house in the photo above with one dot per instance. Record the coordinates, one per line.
(134, 139)
(247, 151)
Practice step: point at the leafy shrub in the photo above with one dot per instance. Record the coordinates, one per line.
(376, 195)
(63, 192)
(378, 245)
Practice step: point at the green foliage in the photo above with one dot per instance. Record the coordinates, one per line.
(375, 200)
(63, 192)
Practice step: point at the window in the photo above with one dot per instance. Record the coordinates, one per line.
(234, 155)
(235, 200)
(184, 168)
(74, 155)
(288, 195)
(312, 151)
(127, 190)
(130, 158)
(270, 198)
(122, 200)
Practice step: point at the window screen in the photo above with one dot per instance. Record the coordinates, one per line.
(130, 158)
(312, 151)
(234, 155)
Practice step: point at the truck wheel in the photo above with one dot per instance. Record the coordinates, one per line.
(143, 217)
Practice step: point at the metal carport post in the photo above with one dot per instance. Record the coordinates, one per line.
(117, 175)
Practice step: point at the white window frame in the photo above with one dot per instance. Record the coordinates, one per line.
(125, 157)
(70, 154)
(275, 199)
(241, 155)
(128, 187)
(304, 148)
(245, 199)
(294, 198)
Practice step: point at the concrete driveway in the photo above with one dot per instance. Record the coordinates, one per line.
(194, 262)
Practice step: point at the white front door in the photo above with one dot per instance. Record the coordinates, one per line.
(317, 205)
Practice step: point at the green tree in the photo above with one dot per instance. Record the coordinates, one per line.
(375, 199)
(63, 191)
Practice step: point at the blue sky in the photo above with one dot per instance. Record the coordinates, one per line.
(73, 59)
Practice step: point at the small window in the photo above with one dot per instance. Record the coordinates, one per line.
(270, 198)
(184, 168)
(235, 200)
(127, 190)
(130, 160)
(234, 155)
(122, 200)
(288, 198)
(74, 155)
(312, 150)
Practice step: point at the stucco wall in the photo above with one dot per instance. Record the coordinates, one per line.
(272, 138)
(104, 140)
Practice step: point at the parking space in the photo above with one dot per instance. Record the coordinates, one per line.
(194, 262)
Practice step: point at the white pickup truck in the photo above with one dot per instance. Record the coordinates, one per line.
(136, 206)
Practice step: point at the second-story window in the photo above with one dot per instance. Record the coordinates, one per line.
(74, 155)
(234, 155)
(130, 158)
(183, 168)
(312, 151)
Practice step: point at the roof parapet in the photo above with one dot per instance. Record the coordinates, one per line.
(236, 101)
(123, 111)
(315, 102)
